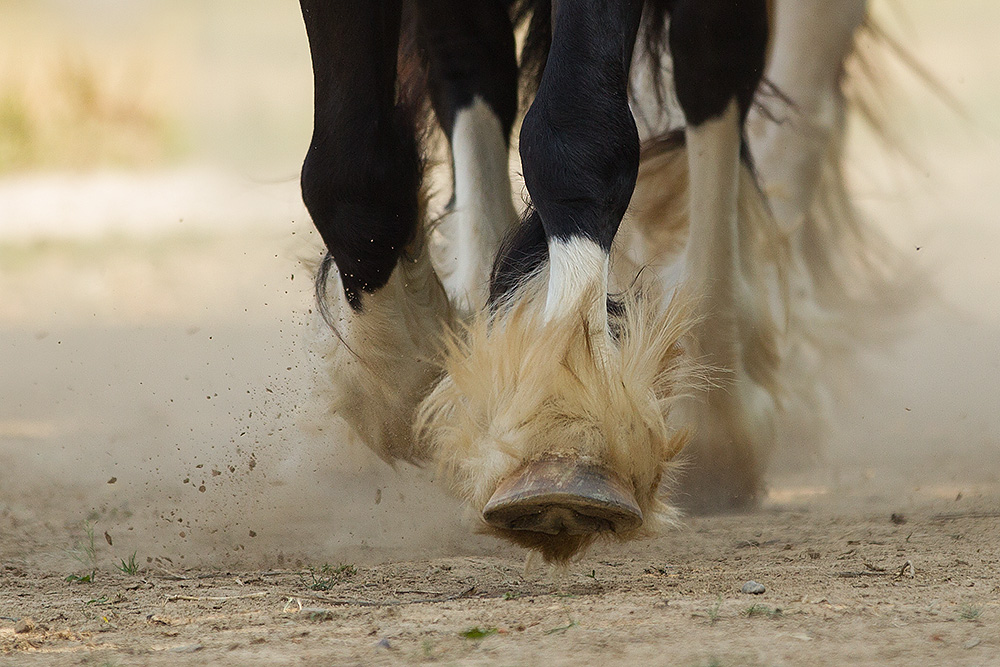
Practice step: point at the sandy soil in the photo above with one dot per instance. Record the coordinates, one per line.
(157, 392)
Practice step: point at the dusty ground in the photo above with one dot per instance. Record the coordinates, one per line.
(839, 590)
(156, 392)
(156, 402)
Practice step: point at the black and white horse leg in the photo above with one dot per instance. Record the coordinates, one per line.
(718, 49)
(580, 151)
(473, 83)
(360, 183)
(551, 426)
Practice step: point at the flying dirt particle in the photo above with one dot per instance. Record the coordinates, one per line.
(897, 519)
(216, 473)
(200, 466)
(253, 533)
(202, 488)
(187, 480)
(107, 538)
(112, 480)
(378, 496)
(182, 534)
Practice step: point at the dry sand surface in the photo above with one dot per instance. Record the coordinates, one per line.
(156, 391)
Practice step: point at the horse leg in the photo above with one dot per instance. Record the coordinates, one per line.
(849, 286)
(360, 183)
(718, 48)
(812, 38)
(550, 423)
(473, 87)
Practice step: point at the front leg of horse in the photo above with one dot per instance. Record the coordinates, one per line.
(383, 304)
(718, 48)
(551, 418)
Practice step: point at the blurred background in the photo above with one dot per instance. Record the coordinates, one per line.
(154, 303)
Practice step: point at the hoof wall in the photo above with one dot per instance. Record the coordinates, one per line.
(562, 496)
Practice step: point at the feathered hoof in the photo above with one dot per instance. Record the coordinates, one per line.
(559, 506)
(383, 360)
(563, 497)
(555, 436)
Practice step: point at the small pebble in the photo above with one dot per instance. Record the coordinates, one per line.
(972, 643)
(26, 624)
(383, 643)
(753, 588)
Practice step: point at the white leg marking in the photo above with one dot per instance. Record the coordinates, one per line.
(713, 245)
(578, 271)
(811, 40)
(733, 419)
(483, 208)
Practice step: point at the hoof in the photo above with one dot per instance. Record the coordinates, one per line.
(563, 497)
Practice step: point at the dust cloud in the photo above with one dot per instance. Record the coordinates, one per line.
(191, 437)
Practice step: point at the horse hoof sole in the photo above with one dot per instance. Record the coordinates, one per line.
(563, 496)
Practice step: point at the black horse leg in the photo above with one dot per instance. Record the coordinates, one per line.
(360, 182)
(361, 176)
(580, 149)
(718, 49)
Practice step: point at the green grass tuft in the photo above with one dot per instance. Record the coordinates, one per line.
(762, 610)
(85, 553)
(130, 566)
(326, 577)
(969, 613)
(478, 633)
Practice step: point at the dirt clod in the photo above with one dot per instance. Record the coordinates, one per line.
(25, 625)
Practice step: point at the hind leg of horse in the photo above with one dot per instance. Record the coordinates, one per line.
(812, 38)
(551, 425)
(360, 183)
(718, 48)
(473, 83)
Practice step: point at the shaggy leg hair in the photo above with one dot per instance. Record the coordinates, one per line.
(383, 361)
(519, 388)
